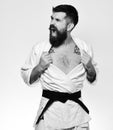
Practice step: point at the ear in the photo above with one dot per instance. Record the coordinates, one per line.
(70, 26)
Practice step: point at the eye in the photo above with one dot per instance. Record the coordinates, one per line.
(58, 20)
(51, 18)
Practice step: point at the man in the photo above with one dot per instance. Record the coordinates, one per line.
(61, 66)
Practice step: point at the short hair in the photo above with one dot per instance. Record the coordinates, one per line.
(70, 11)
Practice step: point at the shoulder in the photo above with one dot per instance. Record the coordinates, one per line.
(41, 46)
(83, 45)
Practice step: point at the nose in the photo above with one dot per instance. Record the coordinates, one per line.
(52, 22)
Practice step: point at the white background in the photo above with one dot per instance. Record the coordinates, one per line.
(25, 22)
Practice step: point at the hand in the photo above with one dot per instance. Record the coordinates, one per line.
(87, 62)
(45, 60)
(85, 59)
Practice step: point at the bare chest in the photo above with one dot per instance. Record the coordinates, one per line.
(66, 61)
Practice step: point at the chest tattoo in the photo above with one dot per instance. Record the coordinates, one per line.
(66, 60)
(77, 50)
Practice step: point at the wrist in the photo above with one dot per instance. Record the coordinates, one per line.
(40, 68)
(35, 74)
(90, 69)
(89, 65)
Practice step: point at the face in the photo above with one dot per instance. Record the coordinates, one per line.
(58, 29)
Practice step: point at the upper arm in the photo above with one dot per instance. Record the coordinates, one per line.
(31, 61)
(88, 48)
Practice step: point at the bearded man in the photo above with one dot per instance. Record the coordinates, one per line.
(60, 66)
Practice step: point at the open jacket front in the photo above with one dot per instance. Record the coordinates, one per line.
(60, 115)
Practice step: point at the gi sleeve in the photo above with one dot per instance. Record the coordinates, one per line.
(30, 63)
(88, 48)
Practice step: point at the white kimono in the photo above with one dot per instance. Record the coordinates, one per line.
(59, 115)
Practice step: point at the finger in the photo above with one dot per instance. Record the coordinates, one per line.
(84, 55)
(48, 56)
(84, 60)
(44, 53)
(50, 59)
(84, 51)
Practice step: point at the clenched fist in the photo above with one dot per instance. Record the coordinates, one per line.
(44, 63)
(85, 59)
(87, 62)
(45, 60)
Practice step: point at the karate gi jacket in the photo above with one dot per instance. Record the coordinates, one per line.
(60, 115)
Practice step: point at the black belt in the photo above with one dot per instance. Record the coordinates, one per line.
(62, 97)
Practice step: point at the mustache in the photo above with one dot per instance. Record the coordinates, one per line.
(52, 27)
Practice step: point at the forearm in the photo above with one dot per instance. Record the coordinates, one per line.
(35, 74)
(91, 73)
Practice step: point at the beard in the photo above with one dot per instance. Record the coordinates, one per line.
(59, 38)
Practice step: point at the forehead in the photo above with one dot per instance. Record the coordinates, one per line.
(59, 15)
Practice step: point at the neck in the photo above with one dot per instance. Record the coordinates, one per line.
(68, 40)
